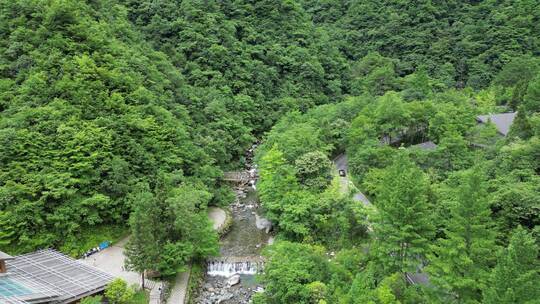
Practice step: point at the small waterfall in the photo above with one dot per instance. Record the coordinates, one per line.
(227, 269)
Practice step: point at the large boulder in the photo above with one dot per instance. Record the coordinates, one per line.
(233, 280)
(263, 223)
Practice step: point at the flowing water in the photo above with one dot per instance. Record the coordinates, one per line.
(240, 254)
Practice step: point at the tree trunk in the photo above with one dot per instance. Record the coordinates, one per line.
(142, 277)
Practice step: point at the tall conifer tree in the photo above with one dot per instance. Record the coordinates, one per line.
(460, 263)
(403, 226)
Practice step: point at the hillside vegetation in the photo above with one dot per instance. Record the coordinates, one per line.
(120, 116)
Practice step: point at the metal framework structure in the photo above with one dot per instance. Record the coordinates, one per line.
(51, 277)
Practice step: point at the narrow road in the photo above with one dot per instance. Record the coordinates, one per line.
(341, 162)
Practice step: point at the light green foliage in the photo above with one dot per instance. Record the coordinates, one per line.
(514, 80)
(460, 261)
(418, 85)
(453, 151)
(142, 251)
(294, 273)
(170, 228)
(318, 292)
(391, 116)
(302, 201)
(515, 186)
(118, 292)
(276, 179)
(374, 74)
(515, 278)
(117, 111)
(297, 140)
(388, 288)
(485, 101)
(314, 170)
(402, 226)
(361, 290)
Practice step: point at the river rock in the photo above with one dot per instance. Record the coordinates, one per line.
(263, 223)
(234, 280)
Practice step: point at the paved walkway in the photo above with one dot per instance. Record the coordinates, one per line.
(179, 290)
(111, 260)
(155, 293)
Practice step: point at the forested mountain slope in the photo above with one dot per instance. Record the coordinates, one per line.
(245, 62)
(88, 110)
(112, 108)
(463, 43)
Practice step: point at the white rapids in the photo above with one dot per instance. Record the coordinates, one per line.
(227, 269)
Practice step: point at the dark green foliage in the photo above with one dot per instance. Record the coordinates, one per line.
(247, 56)
(458, 42)
(88, 110)
(170, 228)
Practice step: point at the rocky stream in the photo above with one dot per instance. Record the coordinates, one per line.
(230, 278)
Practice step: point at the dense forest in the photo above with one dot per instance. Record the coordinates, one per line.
(122, 115)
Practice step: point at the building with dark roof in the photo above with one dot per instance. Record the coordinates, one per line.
(47, 276)
(427, 145)
(502, 122)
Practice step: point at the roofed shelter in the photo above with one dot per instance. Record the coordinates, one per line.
(502, 122)
(47, 276)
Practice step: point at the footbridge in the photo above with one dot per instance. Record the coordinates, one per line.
(239, 177)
